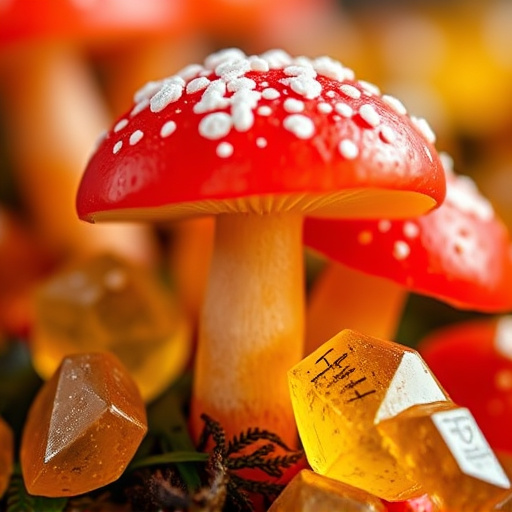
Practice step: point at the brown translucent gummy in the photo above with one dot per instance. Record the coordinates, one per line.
(83, 427)
(6, 455)
(444, 448)
(311, 492)
(341, 392)
(107, 303)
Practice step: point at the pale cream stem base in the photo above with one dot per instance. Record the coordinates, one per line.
(252, 326)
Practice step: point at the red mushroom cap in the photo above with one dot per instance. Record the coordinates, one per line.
(90, 19)
(473, 361)
(239, 127)
(460, 252)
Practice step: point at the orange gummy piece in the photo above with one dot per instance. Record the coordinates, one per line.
(310, 492)
(341, 392)
(444, 448)
(6, 455)
(105, 303)
(83, 427)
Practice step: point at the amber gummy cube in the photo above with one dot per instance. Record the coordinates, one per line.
(106, 303)
(6, 455)
(444, 448)
(341, 392)
(310, 492)
(83, 427)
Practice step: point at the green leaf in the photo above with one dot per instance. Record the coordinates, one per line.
(19, 500)
(19, 383)
(169, 458)
(167, 423)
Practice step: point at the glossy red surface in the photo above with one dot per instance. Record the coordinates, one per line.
(266, 158)
(473, 361)
(421, 504)
(74, 20)
(459, 253)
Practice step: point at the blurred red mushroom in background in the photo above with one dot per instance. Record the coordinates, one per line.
(421, 504)
(22, 263)
(54, 112)
(255, 21)
(473, 361)
(260, 142)
(458, 253)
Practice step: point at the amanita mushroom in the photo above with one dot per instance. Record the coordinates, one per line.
(458, 253)
(260, 142)
(473, 361)
(54, 110)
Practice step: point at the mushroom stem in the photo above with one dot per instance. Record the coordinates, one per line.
(343, 298)
(252, 325)
(55, 113)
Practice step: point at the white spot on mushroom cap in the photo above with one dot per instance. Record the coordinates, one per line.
(463, 194)
(394, 103)
(369, 114)
(348, 149)
(230, 96)
(304, 68)
(168, 128)
(424, 128)
(503, 336)
(411, 229)
(300, 125)
(384, 225)
(401, 250)
(369, 88)
(264, 110)
(197, 84)
(270, 93)
(241, 84)
(261, 142)
(276, 59)
(243, 102)
(117, 147)
(304, 85)
(224, 150)
(330, 68)
(387, 134)
(170, 92)
(215, 126)
(343, 109)
(258, 64)
(242, 116)
(215, 59)
(293, 106)
(232, 69)
(120, 125)
(213, 98)
(325, 108)
(135, 137)
(350, 91)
